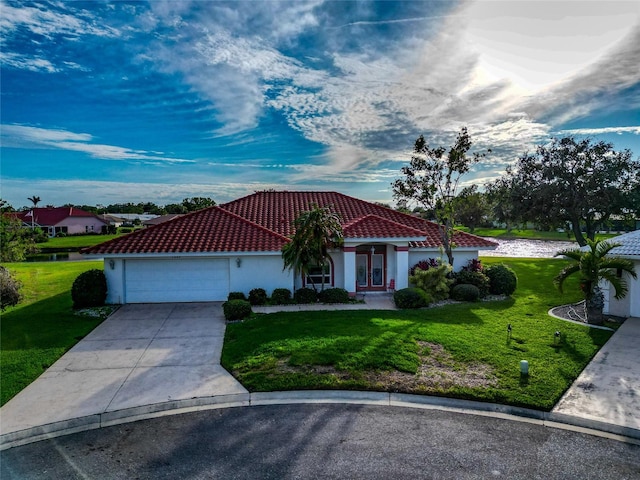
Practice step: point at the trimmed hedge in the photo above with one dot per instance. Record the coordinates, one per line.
(258, 296)
(236, 296)
(281, 296)
(465, 292)
(236, 309)
(334, 295)
(411, 298)
(478, 279)
(89, 289)
(305, 295)
(502, 279)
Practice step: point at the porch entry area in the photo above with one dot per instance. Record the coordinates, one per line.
(371, 268)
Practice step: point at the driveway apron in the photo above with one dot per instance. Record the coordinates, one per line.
(608, 389)
(142, 355)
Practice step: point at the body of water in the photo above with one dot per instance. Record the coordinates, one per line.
(527, 248)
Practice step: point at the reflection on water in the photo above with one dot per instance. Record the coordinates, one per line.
(527, 248)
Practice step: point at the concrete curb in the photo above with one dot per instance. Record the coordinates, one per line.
(105, 419)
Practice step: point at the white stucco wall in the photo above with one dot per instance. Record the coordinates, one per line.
(460, 257)
(115, 280)
(629, 306)
(259, 271)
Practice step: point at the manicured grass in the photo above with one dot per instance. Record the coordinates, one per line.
(382, 350)
(75, 242)
(529, 234)
(36, 332)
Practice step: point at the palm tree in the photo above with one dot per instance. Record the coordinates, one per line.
(35, 200)
(316, 231)
(594, 265)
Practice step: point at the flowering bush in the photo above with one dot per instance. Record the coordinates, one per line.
(424, 265)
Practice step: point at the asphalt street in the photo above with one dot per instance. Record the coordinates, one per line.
(324, 441)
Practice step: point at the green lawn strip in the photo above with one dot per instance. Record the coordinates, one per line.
(75, 242)
(36, 332)
(529, 234)
(354, 349)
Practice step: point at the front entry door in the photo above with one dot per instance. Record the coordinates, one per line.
(370, 271)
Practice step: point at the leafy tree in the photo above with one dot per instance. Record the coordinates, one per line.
(502, 206)
(580, 183)
(197, 203)
(594, 265)
(9, 289)
(16, 242)
(431, 181)
(471, 207)
(316, 231)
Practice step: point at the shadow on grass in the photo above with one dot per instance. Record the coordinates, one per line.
(49, 323)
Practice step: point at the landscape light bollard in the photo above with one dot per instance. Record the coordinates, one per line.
(524, 367)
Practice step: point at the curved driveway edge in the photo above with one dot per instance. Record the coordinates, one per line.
(147, 361)
(548, 419)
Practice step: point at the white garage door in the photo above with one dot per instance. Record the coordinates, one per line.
(176, 280)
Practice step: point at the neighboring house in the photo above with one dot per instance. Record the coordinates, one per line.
(113, 220)
(67, 220)
(629, 306)
(237, 246)
(161, 219)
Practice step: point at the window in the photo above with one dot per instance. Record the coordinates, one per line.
(316, 275)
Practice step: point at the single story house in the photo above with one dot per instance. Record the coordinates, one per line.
(629, 306)
(236, 246)
(67, 220)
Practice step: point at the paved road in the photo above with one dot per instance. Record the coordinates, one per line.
(324, 441)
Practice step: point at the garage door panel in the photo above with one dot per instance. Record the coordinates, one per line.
(176, 280)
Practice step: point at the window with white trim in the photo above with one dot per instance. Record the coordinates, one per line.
(316, 275)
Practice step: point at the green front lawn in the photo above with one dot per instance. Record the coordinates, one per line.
(36, 332)
(458, 350)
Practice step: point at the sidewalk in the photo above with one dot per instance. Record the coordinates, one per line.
(608, 389)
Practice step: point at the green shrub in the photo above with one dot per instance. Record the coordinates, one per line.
(305, 295)
(502, 280)
(124, 230)
(281, 296)
(236, 309)
(435, 281)
(465, 292)
(9, 289)
(258, 296)
(89, 289)
(478, 279)
(411, 298)
(236, 296)
(334, 295)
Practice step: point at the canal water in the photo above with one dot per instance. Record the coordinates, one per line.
(527, 248)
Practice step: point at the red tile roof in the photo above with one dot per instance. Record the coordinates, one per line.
(264, 220)
(53, 215)
(373, 226)
(210, 230)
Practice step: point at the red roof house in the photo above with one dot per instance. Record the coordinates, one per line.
(67, 220)
(204, 255)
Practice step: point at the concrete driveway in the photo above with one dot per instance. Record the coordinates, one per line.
(142, 359)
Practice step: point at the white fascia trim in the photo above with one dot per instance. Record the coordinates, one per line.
(455, 249)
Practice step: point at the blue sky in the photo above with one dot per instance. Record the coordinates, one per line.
(106, 102)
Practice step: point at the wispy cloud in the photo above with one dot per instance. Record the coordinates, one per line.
(600, 131)
(22, 136)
